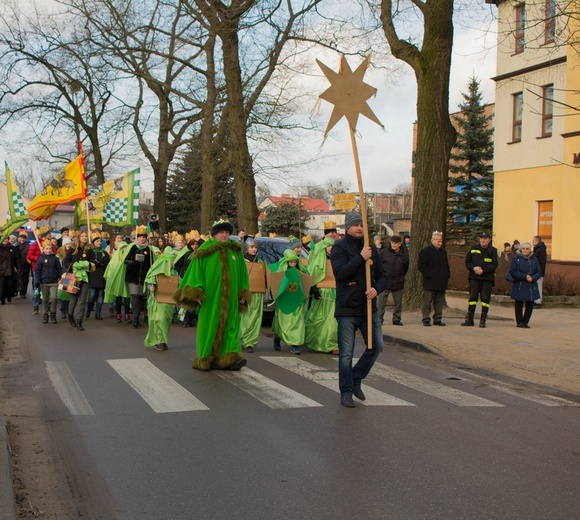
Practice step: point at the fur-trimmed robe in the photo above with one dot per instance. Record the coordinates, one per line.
(217, 277)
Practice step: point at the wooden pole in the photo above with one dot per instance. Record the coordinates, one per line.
(363, 211)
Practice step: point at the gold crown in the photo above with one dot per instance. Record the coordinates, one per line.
(307, 239)
(46, 242)
(192, 235)
(43, 230)
(437, 234)
(141, 230)
(94, 236)
(258, 235)
(273, 235)
(330, 224)
(95, 227)
(73, 233)
(106, 235)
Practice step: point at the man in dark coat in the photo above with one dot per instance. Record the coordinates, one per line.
(434, 267)
(23, 265)
(541, 254)
(395, 258)
(481, 262)
(348, 257)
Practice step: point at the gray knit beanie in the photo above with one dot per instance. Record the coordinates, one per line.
(352, 219)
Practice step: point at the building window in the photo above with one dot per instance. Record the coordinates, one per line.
(517, 117)
(547, 110)
(550, 21)
(520, 28)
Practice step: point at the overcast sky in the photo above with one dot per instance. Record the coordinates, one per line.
(385, 156)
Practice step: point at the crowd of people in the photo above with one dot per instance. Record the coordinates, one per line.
(219, 286)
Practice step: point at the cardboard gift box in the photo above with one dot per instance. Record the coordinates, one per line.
(166, 286)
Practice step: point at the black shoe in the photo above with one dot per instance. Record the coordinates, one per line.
(426, 323)
(98, 317)
(88, 313)
(439, 323)
(238, 364)
(80, 325)
(482, 324)
(136, 324)
(277, 345)
(71, 320)
(346, 400)
(53, 317)
(358, 393)
(249, 350)
(45, 318)
(537, 305)
(523, 326)
(398, 322)
(161, 346)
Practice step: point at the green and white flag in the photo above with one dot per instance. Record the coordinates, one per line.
(115, 202)
(17, 214)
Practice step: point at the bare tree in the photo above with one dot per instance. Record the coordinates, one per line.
(55, 82)
(431, 63)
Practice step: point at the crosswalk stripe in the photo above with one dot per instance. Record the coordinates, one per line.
(159, 391)
(272, 394)
(330, 380)
(438, 390)
(67, 388)
(545, 400)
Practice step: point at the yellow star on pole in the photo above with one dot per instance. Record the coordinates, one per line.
(348, 93)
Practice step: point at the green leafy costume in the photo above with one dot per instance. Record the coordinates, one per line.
(160, 315)
(321, 325)
(216, 277)
(289, 326)
(115, 275)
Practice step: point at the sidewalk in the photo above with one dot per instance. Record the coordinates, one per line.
(548, 353)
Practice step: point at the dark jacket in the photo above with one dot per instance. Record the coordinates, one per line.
(541, 254)
(23, 264)
(484, 257)
(48, 269)
(349, 271)
(73, 256)
(8, 260)
(520, 267)
(396, 266)
(137, 271)
(96, 278)
(434, 267)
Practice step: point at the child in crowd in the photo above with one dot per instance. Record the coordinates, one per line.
(48, 271)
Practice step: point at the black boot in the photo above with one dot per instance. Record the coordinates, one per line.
(53, 317)
(89, 309)
(71, 320)
(483, 317)
(469, 317)
(80, 325)
(45, 318)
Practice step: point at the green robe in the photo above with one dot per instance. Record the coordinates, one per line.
(321, 325)
(159, 315)
(251, 320)
(216, 277)
(115, 275)
(290, 328)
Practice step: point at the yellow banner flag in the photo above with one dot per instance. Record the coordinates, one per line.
(69, 184)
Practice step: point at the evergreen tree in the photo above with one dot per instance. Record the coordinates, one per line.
(184, 193)
(284, 220)
(470, 204)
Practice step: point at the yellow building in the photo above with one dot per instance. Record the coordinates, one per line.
(537, 129)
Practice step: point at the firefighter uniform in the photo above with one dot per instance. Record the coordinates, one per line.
(480, 285)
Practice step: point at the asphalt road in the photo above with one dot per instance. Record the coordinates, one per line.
(147, 437)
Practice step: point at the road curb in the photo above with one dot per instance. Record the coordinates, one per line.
(410, 344)
(7, 502)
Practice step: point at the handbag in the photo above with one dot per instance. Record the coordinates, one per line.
(69, 283)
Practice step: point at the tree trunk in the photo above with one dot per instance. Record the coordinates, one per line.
(239, 155)
(435, 134)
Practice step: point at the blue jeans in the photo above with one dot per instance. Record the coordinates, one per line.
(96, 298)
(36, 292)
(347, 327)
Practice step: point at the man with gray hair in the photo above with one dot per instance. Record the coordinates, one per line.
(348, 258)
(434, 267)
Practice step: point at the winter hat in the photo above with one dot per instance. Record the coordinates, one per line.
(396, 239)
(352, 219)
(66, 240)
(293, 242)
(249, 242)
(221, 225)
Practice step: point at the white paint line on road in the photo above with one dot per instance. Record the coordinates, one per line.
(265, 390)
(159, 391)
(545, 400)
(67, 388)
(330, 380)
(438, 390)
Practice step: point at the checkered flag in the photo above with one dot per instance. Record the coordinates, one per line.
(115, 211)
(16, 214)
